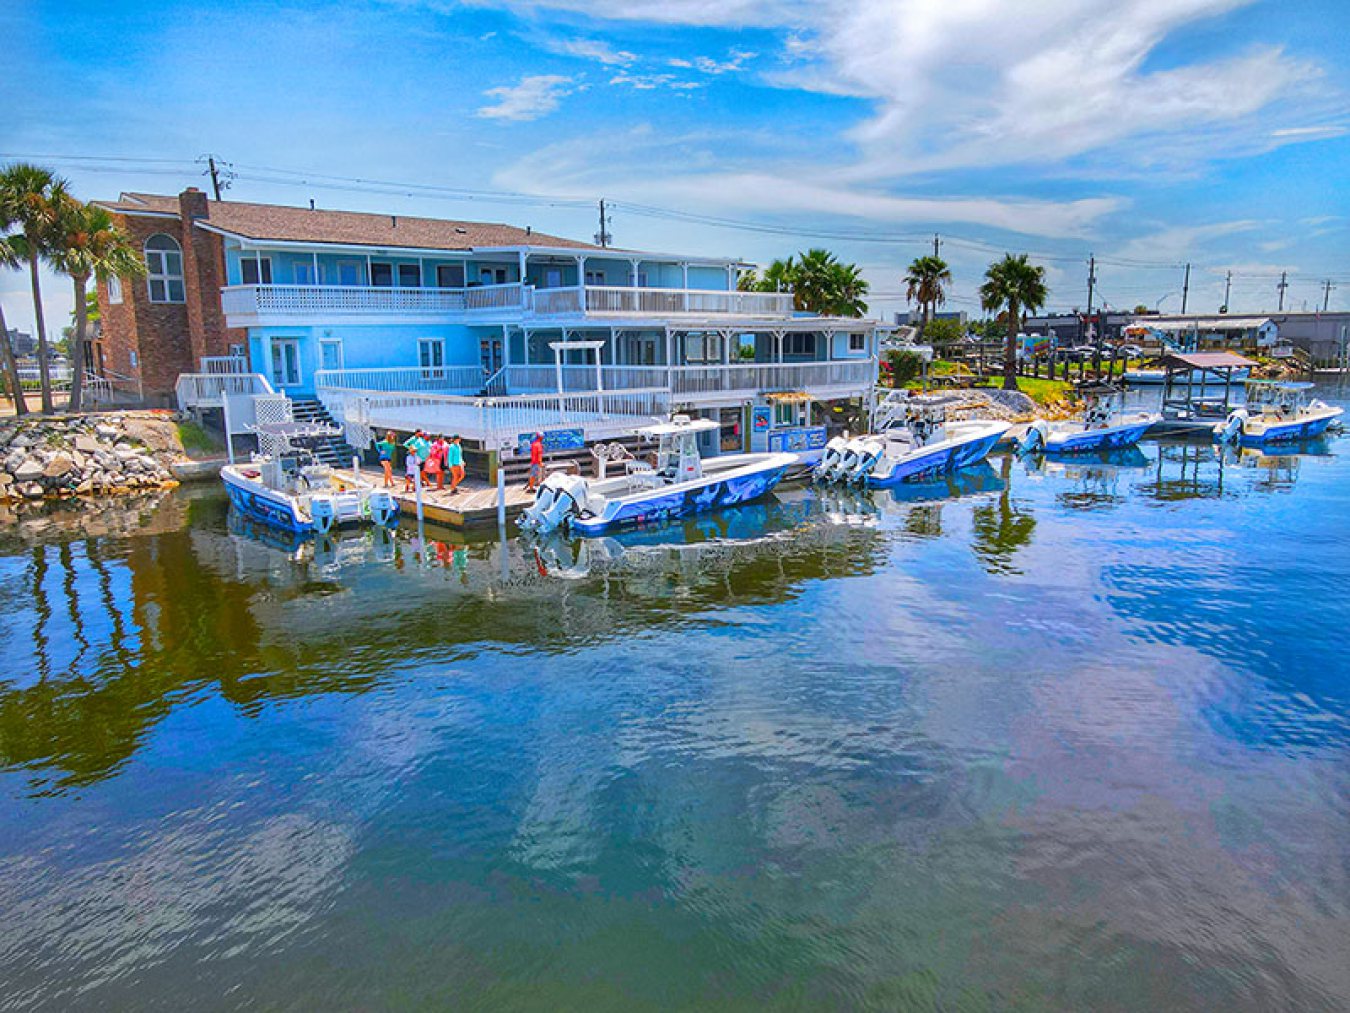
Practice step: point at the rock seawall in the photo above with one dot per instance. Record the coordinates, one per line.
(108, 454)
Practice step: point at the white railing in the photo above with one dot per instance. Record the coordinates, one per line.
(743, 377)
(110, 387)
(223, 364)
(606, 299)
(544, 379)
(443, 379)
(307, 300)
(558, 300)
(207, 390)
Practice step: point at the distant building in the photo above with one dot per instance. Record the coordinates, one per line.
(22, 342)
(913, 318)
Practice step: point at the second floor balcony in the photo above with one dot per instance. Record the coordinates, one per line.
(261, 305)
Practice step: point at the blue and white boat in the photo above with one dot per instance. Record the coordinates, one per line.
(918, 443)
(1277, 411)
(291, 491)
(677, 484)
(1103, 426)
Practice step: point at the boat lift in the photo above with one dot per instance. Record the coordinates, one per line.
(1186, 408)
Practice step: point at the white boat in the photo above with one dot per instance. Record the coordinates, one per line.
(1276, 411)
(678, 484)
(919, 441)
(289, 490)
(1103, 427)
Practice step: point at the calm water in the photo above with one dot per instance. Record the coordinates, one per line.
(1057, 738)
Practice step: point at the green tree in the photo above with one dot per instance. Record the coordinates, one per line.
(941, 333)
(86, 243)
(9, 258)
(29, 196)
(1013, 285)
(926, 283)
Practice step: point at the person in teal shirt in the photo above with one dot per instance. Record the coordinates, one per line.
(385, 448)
(454, 461)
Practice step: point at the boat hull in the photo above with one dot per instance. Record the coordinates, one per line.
(255, 500)
(659, 505)
(1088, 440)
(1294, 429)
(948, 455)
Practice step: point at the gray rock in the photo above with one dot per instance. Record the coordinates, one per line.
(33, 490)
(86, 444)
(29, 471)
(59, 466)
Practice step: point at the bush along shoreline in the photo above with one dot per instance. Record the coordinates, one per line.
(105, 454)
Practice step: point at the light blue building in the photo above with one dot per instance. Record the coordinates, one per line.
(490, 329)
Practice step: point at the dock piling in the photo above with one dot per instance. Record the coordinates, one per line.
(501, 498)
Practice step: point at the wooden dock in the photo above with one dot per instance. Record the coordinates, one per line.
(474, 505)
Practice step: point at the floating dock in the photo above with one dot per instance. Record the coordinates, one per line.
(474, 506)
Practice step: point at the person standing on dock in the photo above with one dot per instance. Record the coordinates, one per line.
(436, 461)
(417, 447)
(385, 448)
(536, 462)
(454, 460)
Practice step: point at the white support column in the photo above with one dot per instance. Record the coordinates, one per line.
(778, 338)
(634, 264)
(684, 274)
(557, 364)
(315, 256)
(367, 269)
(522, 266)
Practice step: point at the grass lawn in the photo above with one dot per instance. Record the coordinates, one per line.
(198, 441)
(1042, 391)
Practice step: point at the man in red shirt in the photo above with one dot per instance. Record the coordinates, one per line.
(536, 462)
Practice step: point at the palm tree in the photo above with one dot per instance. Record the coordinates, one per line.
(28, 197)
(10, 259)
(847, 289)
(819, 283)
(1017, 285)
(925, 283)
(780, 276)
(87, 242)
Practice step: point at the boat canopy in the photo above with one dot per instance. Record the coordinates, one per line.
(679, 424)
(1206, 360)
(1281, 384)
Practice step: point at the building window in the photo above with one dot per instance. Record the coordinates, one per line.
(303, 272)
(114, 290)
(349, 272)
(164, 263)
(409, 276)
(800, 343)
(784, 413)
(595, 277)
(381, 275)
(857, 342)
(450, 275)
(492, 276)
(703, 348)
(254, 271)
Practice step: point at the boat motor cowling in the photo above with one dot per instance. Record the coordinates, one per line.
(1231, 428)
(830, 461)
(861, 457)
(1035, 438)
(383, 507)
(322, 513)
(560, 497)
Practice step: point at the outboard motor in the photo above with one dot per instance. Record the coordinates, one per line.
(383, 507)
(1035, 438)
(560, 497)
(828, 468)
(322, 513)
(1231, 429)
(864, 455)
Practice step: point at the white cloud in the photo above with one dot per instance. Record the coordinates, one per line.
(652, 82)
(735, 61)
(590, 49)
(534, 96)
(1176, 243)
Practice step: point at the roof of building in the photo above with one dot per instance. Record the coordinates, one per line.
(1206, 360)
(1220, 323)
(282, 223)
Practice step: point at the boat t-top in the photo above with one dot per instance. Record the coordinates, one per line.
(1104, 425)
(1277, 410)
(914, 440)
(677, 483)
(288, 488)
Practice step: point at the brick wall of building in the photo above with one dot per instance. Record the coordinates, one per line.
(157, 341)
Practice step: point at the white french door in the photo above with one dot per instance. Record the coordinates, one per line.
(285, 362)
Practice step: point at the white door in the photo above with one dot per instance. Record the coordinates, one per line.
(285, 362)
(330, 354)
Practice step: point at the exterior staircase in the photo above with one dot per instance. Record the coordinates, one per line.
(333, 451)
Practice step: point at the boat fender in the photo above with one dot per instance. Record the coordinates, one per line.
(1035, 438)
(1232, 427)
(322, 513)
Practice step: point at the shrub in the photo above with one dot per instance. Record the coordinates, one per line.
(905, 366)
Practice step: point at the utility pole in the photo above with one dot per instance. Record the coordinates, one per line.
(221, 174)
(1284, 284)
(937, 245)
(1327, 286)
(603, 237)
(1185, 289)
(1097, 331)
(1227, 291)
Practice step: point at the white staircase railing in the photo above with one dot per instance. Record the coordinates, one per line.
(208, 390)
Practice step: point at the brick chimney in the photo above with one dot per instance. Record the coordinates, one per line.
(192, 204)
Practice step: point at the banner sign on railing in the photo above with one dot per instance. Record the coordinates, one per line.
(554, 440)
(798, 440)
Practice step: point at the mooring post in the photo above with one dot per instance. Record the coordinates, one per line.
(417, 491)
(356, 466)
(501, 498)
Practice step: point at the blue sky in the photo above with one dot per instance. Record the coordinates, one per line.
(1148, 132)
